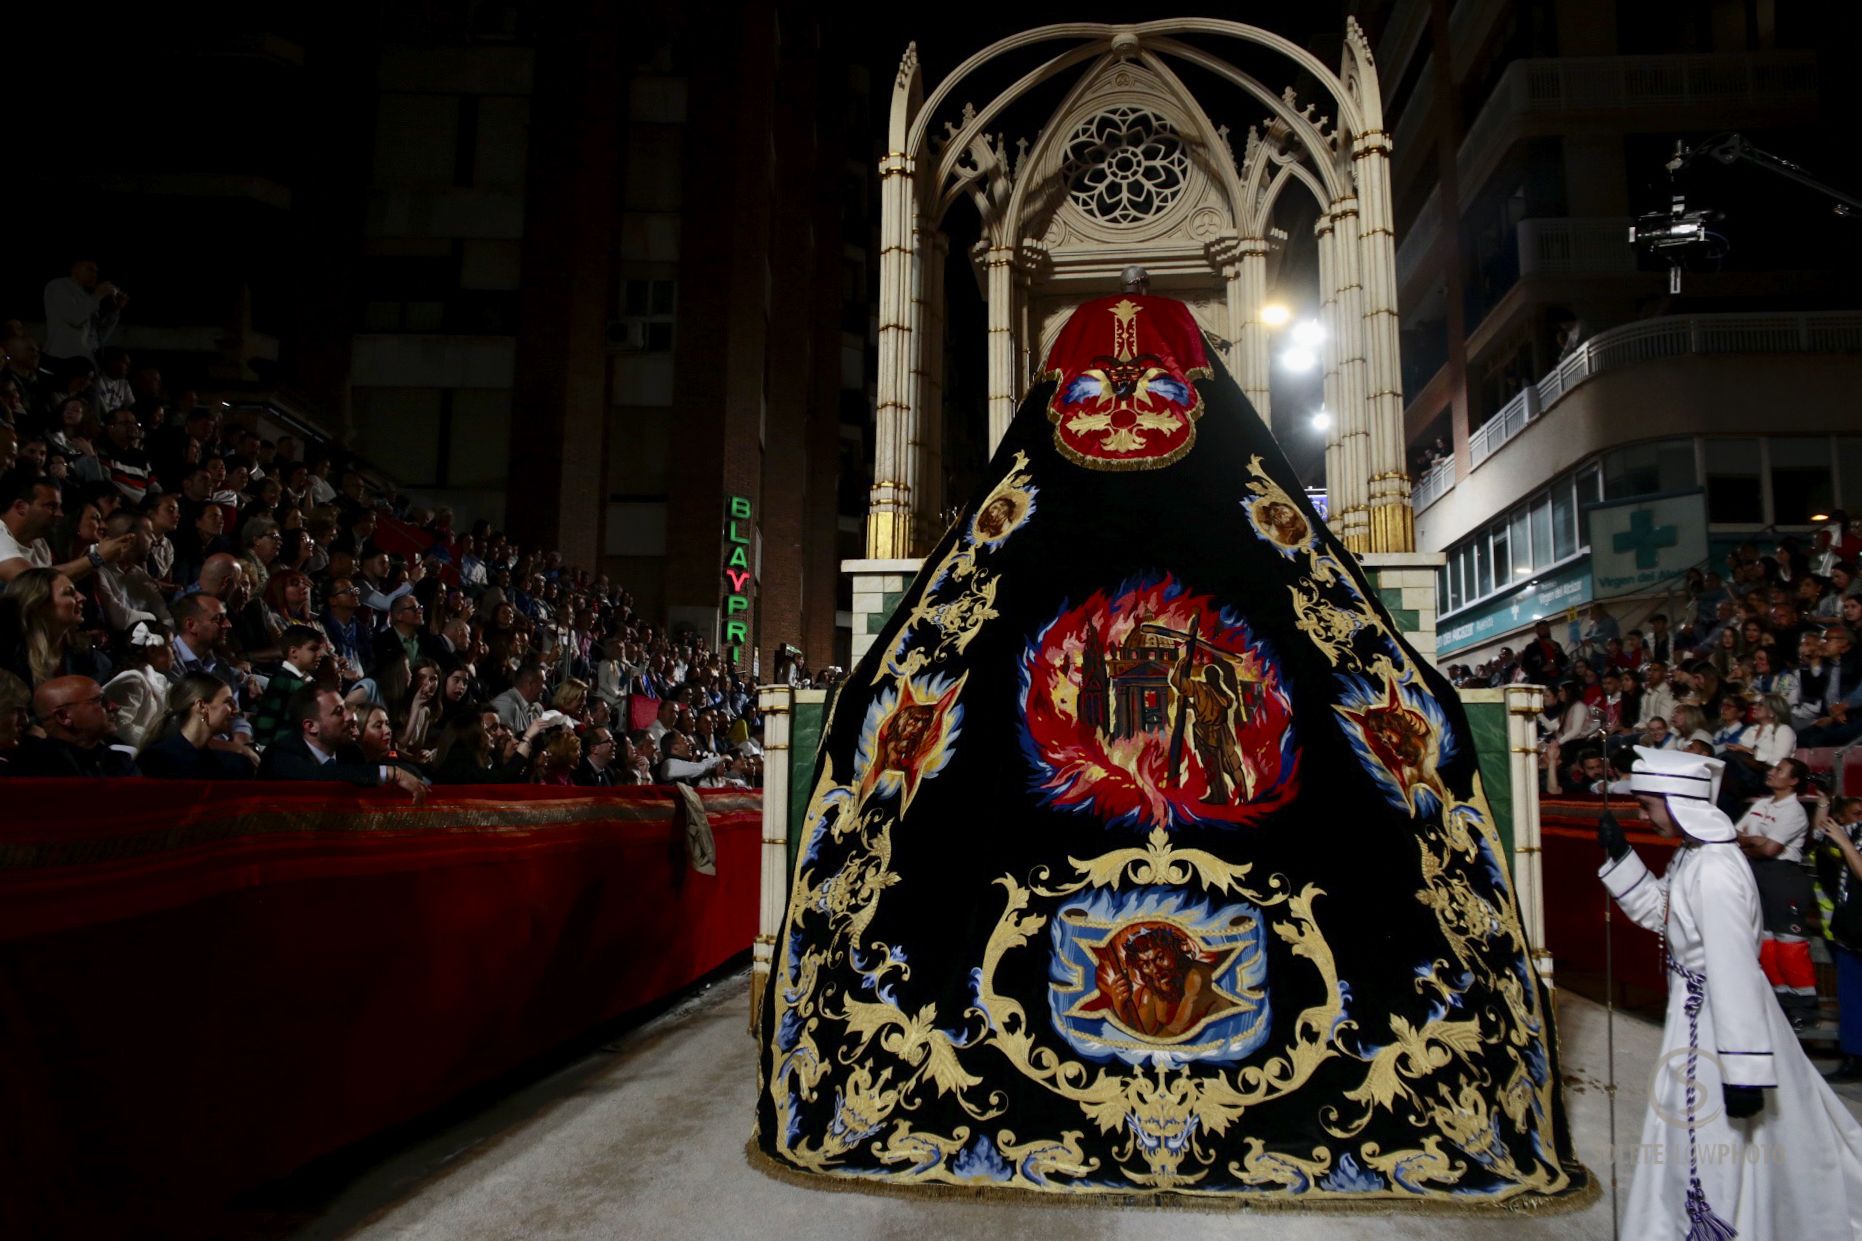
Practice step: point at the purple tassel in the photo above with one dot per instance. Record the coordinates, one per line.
(1703, 1224)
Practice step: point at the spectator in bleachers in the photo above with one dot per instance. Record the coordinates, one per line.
(1689, 725)
(477, 749)
(29, 511)
(305, 651)
(40, 639)
(125, 466)
(138, 693)
(1656, 735)
(401, 639)
(416, 712)
(598, 750)
(74, 732)
(1772, 835)
(81, 313)
(287, 601)
(1730, 731)
(375, 740)
(1658, 696)
(321, 745)
(123, 587)
(259, 543)
(200, 708)
(558, 758)
(678, 765)
(1839, 887)
(1771, 675)
(518, 706)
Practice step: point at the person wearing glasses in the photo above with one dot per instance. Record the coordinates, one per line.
(77, 724)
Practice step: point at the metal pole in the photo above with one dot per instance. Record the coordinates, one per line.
(1609, 1003)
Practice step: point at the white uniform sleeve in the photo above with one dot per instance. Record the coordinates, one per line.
(1739, 999)
(1641, 895)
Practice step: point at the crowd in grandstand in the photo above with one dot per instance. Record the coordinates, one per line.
(182, 597)
(1761, 661)
(1761, 670)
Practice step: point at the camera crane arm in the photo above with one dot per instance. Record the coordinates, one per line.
(1731, 149)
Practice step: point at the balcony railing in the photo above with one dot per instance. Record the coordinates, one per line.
(1567, 87)
(1835, 331)
(1435, 482)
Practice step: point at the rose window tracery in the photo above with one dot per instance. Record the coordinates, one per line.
(1124, 165)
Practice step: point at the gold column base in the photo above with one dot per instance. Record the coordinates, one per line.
(888, 535)
(1393, 527)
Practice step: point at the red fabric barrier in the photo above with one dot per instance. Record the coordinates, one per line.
(1574, 903)
(204, 987)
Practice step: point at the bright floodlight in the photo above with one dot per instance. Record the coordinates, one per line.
(1275, 314)
(1297, 359)
(1322, 421)
(1308, 333)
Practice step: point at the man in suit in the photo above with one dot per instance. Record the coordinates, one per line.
(77, 725)
(323, 728)
(517, 707)
(596, 767)
(402, 636)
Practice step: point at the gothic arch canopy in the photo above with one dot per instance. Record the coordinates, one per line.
(1130, 168)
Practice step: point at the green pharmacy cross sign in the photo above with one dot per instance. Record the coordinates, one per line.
(1645, 538)
(737, 578)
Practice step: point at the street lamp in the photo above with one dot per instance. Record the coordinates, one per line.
(1275, 314)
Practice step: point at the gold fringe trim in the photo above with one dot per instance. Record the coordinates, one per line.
(1524, 1203)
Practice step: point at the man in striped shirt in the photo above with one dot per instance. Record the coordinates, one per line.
(123, 461)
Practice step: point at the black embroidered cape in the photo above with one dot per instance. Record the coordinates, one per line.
(1143, 853)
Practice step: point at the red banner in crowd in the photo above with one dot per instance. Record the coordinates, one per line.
(204, 987)
(641, 711)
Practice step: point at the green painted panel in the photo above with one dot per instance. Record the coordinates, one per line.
(1407, 619)
(1487, 722)
(806, 720)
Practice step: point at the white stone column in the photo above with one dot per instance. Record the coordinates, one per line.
(773, 903)
(999, 263)
(1392, 526)
(1348, 346)
(1338, 473)
(928, 455)
(1523, 703)
(889, 510)
(1248, 286)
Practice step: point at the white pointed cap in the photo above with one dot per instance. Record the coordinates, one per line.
(1676, 773)
(1690, 783)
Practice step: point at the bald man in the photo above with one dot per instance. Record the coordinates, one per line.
(218, 576)
(77, 726)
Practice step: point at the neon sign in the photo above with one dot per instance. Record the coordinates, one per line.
(737, 579)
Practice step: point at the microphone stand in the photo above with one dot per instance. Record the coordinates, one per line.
(1609, 997)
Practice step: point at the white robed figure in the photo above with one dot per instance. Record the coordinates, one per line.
(1743, 1137)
